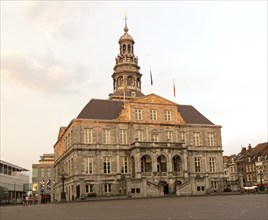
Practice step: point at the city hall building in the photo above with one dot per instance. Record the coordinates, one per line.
(137, 145)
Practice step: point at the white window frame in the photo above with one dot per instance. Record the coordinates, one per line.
(42, 172)
(138, 114)
(88, 136)
(106, 136)
(154, 137)
(107, 165)
(123, 136)
(139, 135)
(211, 139)
(153, 114)
(89, 188)
(197, 164)
(124, 165)
(212, 164)
(89, 165)
(183, 136)
(169, 136)
(107, 187)
(213, 184)
(168, 115)
(197, 141)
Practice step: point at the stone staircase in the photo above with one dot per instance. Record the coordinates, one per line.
(184, 189)
(153, 189)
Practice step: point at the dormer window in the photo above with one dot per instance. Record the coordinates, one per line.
(167, 115)
(138, 114)
(153, 115)
(133, 94)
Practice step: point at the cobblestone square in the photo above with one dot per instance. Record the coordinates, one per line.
(246, 206)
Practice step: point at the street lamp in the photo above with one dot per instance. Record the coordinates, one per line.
(261, 186)
(42, 191)
(63, 194)
(42, 187)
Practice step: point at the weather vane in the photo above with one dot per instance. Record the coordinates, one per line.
(125, 19)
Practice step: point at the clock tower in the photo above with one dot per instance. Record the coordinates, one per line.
(126, 76)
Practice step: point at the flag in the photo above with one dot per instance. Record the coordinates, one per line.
(151, 77)
(124, 89)
(124, 85)
(174, 89)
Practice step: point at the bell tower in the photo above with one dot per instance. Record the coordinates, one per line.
(126, 76)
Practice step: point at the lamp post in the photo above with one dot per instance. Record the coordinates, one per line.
(261, 186)
(42, 187)
(63, 194)
(42, 191)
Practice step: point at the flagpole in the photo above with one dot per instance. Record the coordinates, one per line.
(151, 79)
(124, 88)
(174, 90)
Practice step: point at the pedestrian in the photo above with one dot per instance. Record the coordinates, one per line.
(24, 199)
(27, 200)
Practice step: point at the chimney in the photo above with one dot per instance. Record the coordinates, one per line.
(243, 150)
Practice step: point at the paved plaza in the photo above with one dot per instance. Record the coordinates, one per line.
(246, 206)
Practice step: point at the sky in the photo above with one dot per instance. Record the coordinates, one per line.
(57, 55)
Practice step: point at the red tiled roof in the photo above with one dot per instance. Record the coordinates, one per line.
(260, 149)
(101, 109)
(192, 116)
(109, 110)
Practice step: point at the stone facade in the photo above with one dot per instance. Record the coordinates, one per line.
(137, 145)
(252, 164)
(43, 179)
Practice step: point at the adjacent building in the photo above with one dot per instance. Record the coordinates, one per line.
(137, 145)
(13, 180)
(250, 163)
(230, 173)
(43, 179)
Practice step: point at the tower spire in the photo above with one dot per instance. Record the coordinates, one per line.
(126, 76)
(125, 18)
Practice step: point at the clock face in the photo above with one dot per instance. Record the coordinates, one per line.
(133, 94)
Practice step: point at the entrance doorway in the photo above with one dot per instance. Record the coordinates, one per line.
(78, 191)
(165, 186)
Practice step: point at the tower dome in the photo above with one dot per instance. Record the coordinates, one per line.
(126, 36)
(126, 76)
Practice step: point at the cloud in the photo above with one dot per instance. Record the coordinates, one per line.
(59, 19)
(46, 74)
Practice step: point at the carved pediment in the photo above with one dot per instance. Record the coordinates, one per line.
(153, 99)
(124, 114)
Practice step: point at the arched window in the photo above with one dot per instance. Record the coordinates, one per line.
(132, 162)
(161, 164)
(176, 163)
(146, 164)
(120, 81)
(129, 48)
(130, 81)
(114, 83)
(138, 83)
(124, 48)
